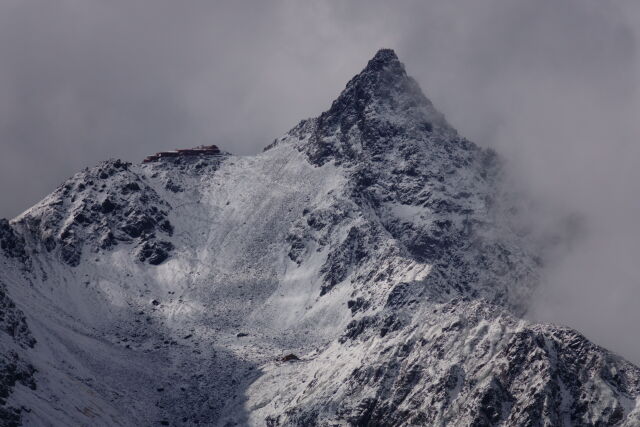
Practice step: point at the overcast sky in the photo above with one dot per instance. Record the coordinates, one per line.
(553, 85)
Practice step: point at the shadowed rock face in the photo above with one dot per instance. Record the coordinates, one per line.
(14, 369)
(13, 321)
(11, 243)
(367, 269)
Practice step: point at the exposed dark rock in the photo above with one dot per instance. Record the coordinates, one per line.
(130, 187)
(107, 206)
(166, 226)
(10, 242)
(13, 321)
(71, 253)
(298, 245)
(154, 252)
(359, 304)
(107, 240)
(355, 328)
(139, 224)
(172, 186)
(344, 258)
(13, 370)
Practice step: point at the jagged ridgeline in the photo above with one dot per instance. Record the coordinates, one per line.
(365, 270)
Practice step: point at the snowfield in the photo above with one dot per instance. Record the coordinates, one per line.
(372, 244)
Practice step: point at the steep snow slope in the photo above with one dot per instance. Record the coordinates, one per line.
(372, 242)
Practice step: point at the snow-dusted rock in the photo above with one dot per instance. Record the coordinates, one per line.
(455, 363)
(372, 243)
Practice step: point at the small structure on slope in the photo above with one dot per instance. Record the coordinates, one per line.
(202, 150)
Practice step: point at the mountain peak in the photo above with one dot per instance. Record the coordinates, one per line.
(383, 57)
(377, 105)
(383, 92)
(383, 71)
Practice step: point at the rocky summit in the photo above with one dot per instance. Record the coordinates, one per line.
(368, 268)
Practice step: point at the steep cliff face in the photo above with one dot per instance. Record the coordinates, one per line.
(372, 245)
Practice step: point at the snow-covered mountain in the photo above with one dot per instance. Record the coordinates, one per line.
(369, 268)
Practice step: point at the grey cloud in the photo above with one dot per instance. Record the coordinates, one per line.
(551, 84)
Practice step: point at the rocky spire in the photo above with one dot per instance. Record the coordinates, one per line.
(386, 62)
(383, 91)
(377, 106)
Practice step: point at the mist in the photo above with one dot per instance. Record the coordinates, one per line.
(552, 85)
